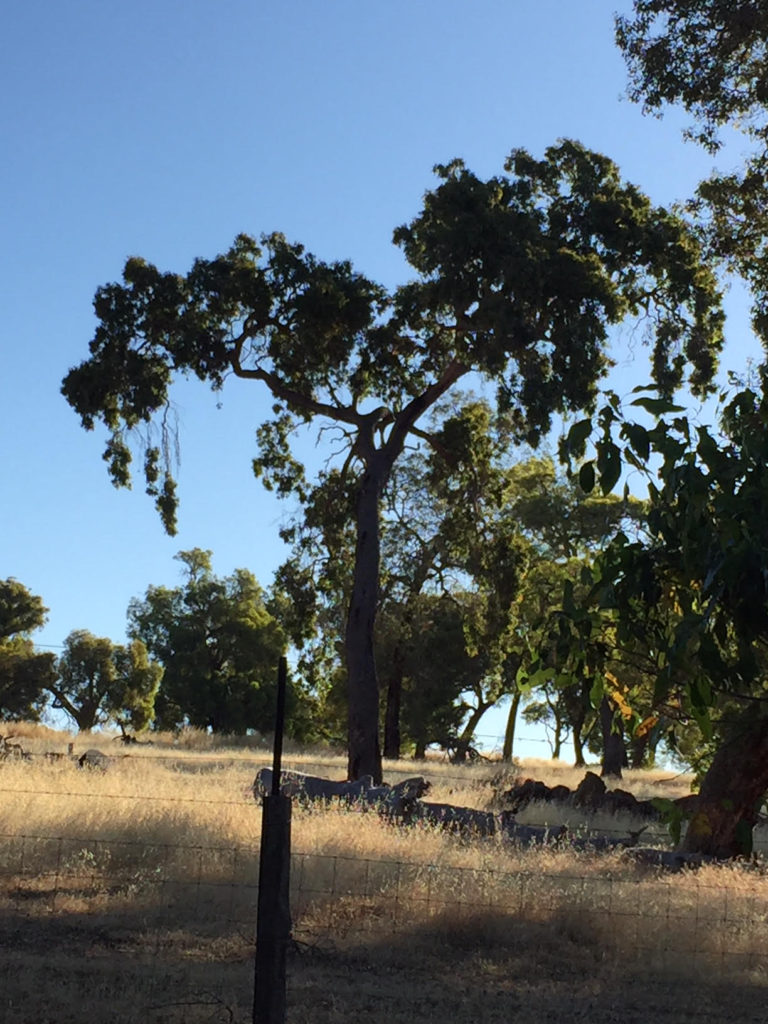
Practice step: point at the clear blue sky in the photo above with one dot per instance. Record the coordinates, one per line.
(163, 129)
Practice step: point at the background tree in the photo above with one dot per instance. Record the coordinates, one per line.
(445, 533)
(99, 681)
(518, 278)
(219, 646)
(563, 527)
(707, 55)
(137, 681)
(434, 665)
(710, 57)
(24, 673)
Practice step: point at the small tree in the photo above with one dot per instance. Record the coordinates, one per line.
(427, 641)
(24, 673)
(99, 681)
(219, 647)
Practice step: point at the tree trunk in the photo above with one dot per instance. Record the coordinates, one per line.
(557, 745)
(362, 684)
(639, 750)
(732, 790)
(613, 741)
(578, 716)
(462, 746)
(85, 717)
(509, 733)
(578, 749)
(364, 752)
(392, 738)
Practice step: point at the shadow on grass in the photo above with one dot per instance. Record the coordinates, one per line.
(127, 933)
(497, 969)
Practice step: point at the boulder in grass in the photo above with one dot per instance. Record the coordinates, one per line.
(393, 801)
(462, 820)
(590, 792)
(93, 759)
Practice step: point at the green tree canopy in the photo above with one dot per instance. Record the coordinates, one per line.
(99, 682)
(24, 673)
(518, 277)
(219, 646)
(710, 56)
(437, 667)
(693, 593)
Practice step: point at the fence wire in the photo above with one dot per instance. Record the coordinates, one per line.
(538, 814)
(128, 931)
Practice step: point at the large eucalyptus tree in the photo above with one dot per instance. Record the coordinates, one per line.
(517, 278)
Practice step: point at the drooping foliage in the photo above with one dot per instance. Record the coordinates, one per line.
(710, 56)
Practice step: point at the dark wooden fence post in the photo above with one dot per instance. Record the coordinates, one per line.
(273, 922)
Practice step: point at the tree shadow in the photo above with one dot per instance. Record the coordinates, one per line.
(168, 938)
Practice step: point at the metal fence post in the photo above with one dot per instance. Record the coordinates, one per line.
(273, 922)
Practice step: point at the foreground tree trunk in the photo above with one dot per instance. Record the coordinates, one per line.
(363, 690)
(732, 790)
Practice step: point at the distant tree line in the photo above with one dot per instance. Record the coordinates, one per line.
(203, 654)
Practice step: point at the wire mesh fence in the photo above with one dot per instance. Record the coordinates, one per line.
(129, 931)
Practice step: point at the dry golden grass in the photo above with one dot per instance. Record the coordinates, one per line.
(129, 895)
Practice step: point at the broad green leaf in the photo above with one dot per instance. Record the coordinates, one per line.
(539, 677)
(638, 438)
(609, 466)
(708, 448)
(587, 477)
(577, 436)
(596, 693)
(704, 722)
(657, 406)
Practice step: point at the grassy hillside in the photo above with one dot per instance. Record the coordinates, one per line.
(128, 894)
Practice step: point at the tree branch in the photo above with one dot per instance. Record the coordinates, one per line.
(405, 420)
(297, 399)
